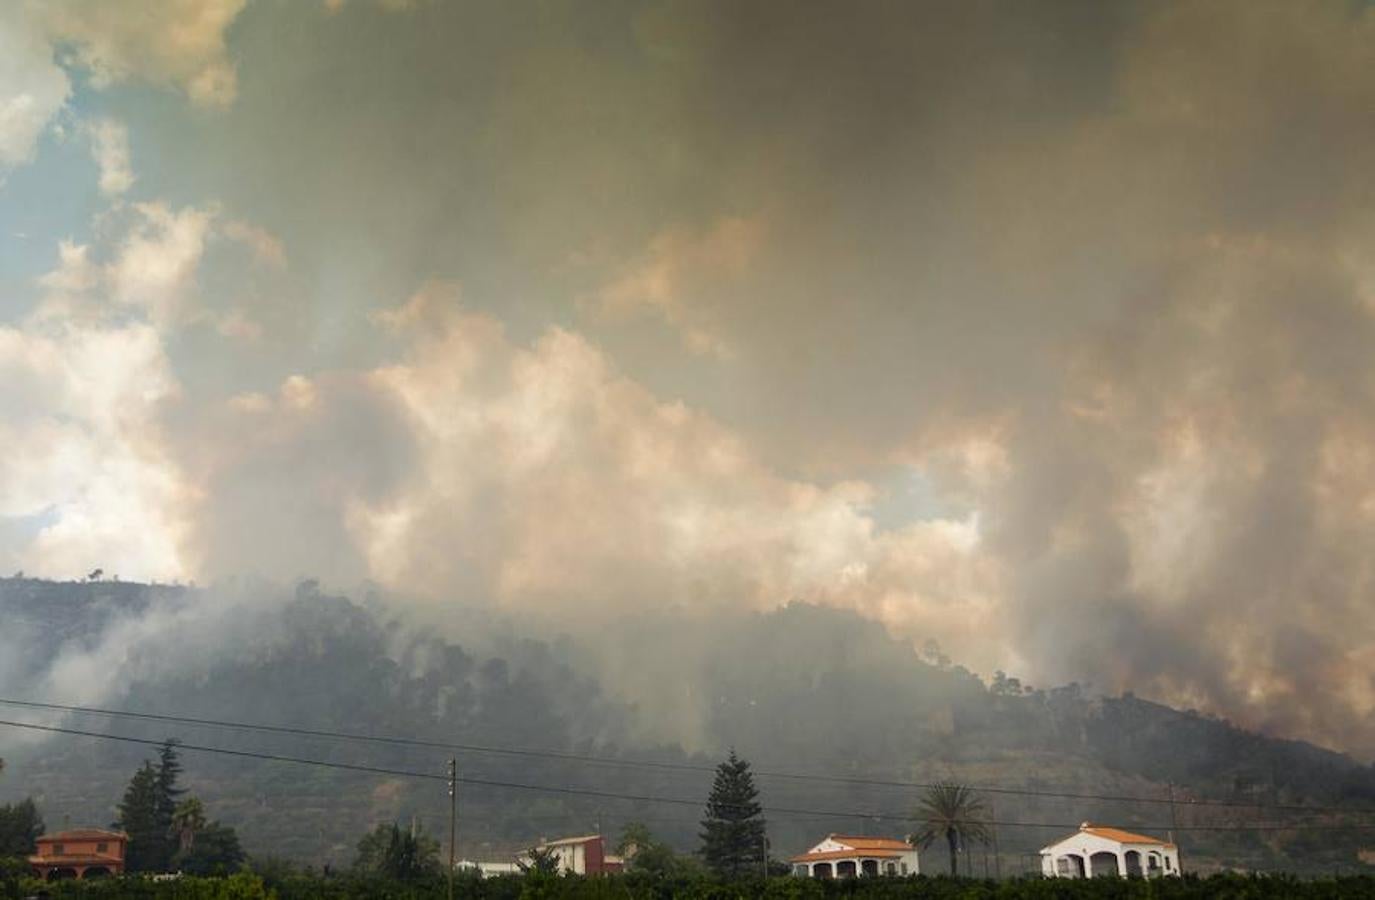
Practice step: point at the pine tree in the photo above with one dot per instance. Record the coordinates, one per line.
(147, 811)
(20, 826)
(733, 828)
(168, 771)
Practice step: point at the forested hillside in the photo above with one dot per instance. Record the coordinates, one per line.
(799, 690)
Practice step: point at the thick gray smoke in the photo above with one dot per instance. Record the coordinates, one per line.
(1042, 331)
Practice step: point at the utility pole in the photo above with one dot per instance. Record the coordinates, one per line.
(453, 819)
(764, 856)
(1174, 823)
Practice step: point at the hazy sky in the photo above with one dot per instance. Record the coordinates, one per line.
(1045, 331)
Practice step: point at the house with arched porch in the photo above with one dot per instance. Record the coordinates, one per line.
(1096, 850)
(846, 856)
(81, 853)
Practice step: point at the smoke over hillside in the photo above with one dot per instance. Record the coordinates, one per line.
(790, 689)
(1039, 332)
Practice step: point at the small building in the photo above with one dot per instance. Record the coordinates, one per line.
(80, 853)
(487, 869)
(1097, 850)
(584, 855)
(848, 856)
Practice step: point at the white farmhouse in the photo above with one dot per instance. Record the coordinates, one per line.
(1096, 850)
(845, 856)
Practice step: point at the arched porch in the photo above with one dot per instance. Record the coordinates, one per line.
(1131, 861)
(1105, 864)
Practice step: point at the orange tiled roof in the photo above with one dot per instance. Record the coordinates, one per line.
(83, 834)
(875, 853)
(1123, 837)
(1113, 834)
(871, 843)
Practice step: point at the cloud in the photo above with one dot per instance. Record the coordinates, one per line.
(151, 271)
(239, 325)
(110, 146)
(543, 480)
(677, 270)
(33, 88)
(179, 44)
(155, 266)
(79, 425)
(267, 249)
(91, 387)
(1099, 273)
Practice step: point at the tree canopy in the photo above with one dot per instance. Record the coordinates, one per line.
(167, 833)
(20, 826)
(390, 851)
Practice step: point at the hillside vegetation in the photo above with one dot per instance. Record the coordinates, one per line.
(798, 690)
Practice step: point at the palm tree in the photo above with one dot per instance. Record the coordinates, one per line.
(952, 811)
(187, 820)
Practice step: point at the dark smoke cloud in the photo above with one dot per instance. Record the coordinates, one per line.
(584, 311)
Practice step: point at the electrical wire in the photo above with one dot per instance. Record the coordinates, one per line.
(643, 798)
(451, 746)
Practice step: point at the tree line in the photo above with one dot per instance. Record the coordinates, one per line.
(169, 832)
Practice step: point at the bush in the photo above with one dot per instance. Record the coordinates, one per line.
(305, 886)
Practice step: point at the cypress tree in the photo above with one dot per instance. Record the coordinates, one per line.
(733, 828)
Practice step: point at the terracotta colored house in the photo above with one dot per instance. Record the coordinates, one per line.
(81, 853)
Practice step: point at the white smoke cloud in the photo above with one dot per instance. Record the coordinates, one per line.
(79, 419)
(1109, 290)
(541, 479)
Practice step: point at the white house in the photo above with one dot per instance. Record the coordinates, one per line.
(1096, 850)
(487, 869)
(847, 856)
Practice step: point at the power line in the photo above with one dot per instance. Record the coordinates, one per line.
(643, 798)
(660, 765)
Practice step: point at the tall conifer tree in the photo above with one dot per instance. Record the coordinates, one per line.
(138, 818)
(147, 811)
(168, 794)
(733, 828)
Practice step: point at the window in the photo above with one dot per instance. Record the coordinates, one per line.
(892, 869)
(58, 849)
(102, 847)
(1062, 866)
(904, 868)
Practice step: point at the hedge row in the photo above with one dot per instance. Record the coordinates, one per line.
(248, 886)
